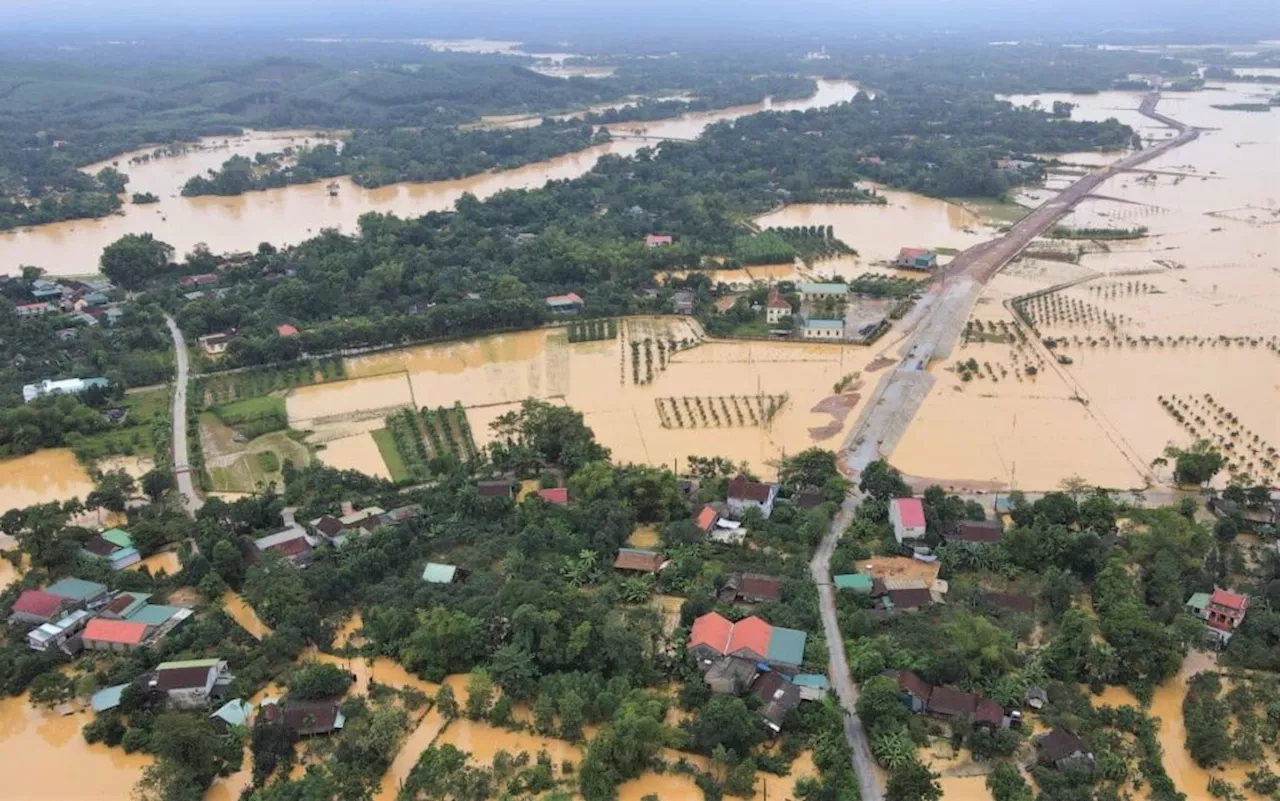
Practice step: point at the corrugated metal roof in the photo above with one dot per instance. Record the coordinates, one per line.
(117, 536)
(125, 632)
(824, 325)
(860, 582)
(787, 646)
(186, 663)
(153, 614)
(79, 589)
(436, 573)
(235, 712)
(107, 698)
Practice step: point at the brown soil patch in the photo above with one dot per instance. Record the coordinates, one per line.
(839, 407)
(891, 567)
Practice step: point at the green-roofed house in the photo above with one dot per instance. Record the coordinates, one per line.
(812, 291)
(857, 582)
(436, 573)
(1197, 603)
(85, 593)
(118, 537)
(235, 712)
(786, 647)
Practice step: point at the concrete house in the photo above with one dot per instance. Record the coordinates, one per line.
(292, 543)
(639, 560)
(191, 683)
(61, 634)
(86, 594)
(1060, 748)
(658, 240)
(776, 307)
(1222, 610)
(823, 329)
(306, 718)
(103, 634)
(907, 517)
(745, 494)
(495, 489)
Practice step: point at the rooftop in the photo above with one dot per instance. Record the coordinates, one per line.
(748, 490)
(76, 589)
(910, 511)
(824, 325)
(1228, 599)
(859, 582)
(38, 602)
(987, 531)
(706, 519)
(808, 288)
(787, 646)
(123, 632)
(118, 537)
(638, 560)
(556, 495)
(436, 573)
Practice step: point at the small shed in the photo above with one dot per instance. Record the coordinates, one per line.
(437, 573)
(856, 582)
(813, 686)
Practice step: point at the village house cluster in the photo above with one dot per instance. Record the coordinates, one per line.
(73, 615)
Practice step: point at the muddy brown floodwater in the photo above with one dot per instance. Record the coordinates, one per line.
(292, 214)
(40, 477)
(1206, 270)
(491, 375)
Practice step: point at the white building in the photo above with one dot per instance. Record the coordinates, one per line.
(64, 386)
(810, 291)
(907, 517)
(823, 329)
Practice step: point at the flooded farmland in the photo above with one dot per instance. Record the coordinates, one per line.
(636, 420)
(1187, 311)
(292, 214)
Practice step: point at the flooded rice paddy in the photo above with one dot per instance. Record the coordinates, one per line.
(292, 214)
(492, 375)
(1150, 323)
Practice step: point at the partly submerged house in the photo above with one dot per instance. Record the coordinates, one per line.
(63, 633)
(306, 718)
(115, 546)
(823, 329)
(233, 713)
(437, 573)
(568, 303)
(34, 607)
(86, 594)
(1060, 748)
(916, 259)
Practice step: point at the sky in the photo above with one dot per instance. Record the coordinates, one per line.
(527, 18)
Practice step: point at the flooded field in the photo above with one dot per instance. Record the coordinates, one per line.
(49, 475)
(1150, 323)
(243, 614)
(165, 560)
(292, 214)
(491, 375)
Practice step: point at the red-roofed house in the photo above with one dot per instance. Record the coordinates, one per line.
(709, 636)
(657, 240)
(750, 638)
(907, 516)
(916, 259)
(113, 635)
(706, 519)
(286, 330)
(37, 607)
(1225, 612)
(776, 307)
(556, 495)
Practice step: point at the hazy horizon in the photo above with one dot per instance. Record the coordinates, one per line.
(1092, 20)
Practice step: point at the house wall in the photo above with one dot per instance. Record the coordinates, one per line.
(189, 698)
(740, 505)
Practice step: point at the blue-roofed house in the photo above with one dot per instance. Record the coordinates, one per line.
(813, 686)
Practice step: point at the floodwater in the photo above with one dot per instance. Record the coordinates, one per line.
(292, 214)
(1204, 271)
(1166, 705)
(356, 452)
(48, 759)
(495, 373)
(878, 232)
(165, 560)
(48, 475)
(243, 614)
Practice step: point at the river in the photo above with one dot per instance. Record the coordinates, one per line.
(291, 214)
